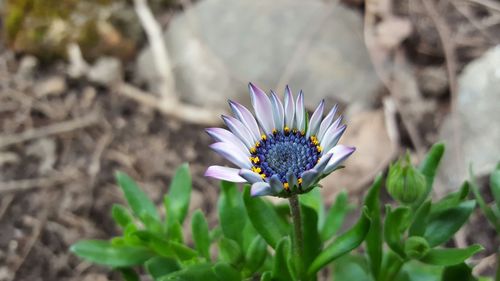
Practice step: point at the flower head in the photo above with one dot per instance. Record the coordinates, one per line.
(279, 151)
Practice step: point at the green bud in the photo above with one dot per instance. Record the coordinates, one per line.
(405, 183)
(416, 247)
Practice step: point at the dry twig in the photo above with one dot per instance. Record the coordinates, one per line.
(42, 182)
(53, 129)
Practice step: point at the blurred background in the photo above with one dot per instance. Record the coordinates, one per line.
(91, 87)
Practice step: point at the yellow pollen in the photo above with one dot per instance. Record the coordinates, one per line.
(255, 159)
(275, 131)
(314, 140)
(286, 185)
(318, 160)
(256, 169)
(263, 176)
(264, 137)
(302, 133)
(286, 129)
(257, 143)
(253, 150)
(318, 148)
(299, 181)
(294, 131)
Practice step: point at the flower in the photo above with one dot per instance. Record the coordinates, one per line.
(280, 152)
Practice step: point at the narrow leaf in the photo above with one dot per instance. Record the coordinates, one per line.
(374, 238)
(256, 254)
(419, 223)
(429, 167)
(351, 268)
(450, 256)
(264, 218)
(396, 222)
(229, 251)
(194, 272)
(343, 244)
(459, 272)
(493, 219)
(442, 226)
(314, 200)
(121, 215)
(451, 200)
(232, 214)
(335, 217)
(136, 198)
(280, 268)
(266, 276)
(201, 236)
(179, 194)
(102, 252)
(224, 272)
(495, 185)
(160, 266)
(312, 245)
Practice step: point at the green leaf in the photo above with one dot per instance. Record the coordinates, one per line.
(136, 198)
(495, 185)
(343, 244)
(194, 272)
(266, 276)
(374, 238)
(174, 232)
(225, 272)
(129, 274)
(232, 213)
(103, 252)
(152, 223)
(442, 226)
(417, 271)
(182, 251)
(179, 194)
(396, 222)
(451, 200)
(335, 217)
(121, 215)
(314, 200)
(256, 254)
(417, 228)
(312, 245)
(201, 236)
(249, 234)
(459, 272)
(429, 168)
(264, 219)
(351, 267)
(160, 266)
(229, 251)
(450, 256)
(493, 218)
(280, 268)
(156, 243)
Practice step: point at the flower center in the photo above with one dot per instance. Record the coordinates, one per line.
(285, 153)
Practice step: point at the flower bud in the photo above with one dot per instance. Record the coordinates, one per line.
(416, 247)
(405, 183)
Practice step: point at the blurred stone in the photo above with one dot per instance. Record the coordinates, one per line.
(472, 133)
(106, 71)
(27, 67)
(54, 85)
(218, 46)
(433, 81)
(374, 150)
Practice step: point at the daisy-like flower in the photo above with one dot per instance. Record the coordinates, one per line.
(280, 152)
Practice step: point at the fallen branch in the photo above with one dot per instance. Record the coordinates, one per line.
(53, 129)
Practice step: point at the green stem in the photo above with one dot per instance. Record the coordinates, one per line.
(391, 266)
(298, 240)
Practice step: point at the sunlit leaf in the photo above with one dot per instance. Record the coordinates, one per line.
(103, 252)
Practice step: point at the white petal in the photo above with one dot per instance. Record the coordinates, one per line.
(323, 162)
(278, 112)
(325, 124)
(309, 177)
(250, 176)
(276, 184)
(239, 130)
(260, 189)
(246, 117)
(332, 137)
(315, 120)
(300, 113)
(224, 173)
(223, 135)
(340, 154)
(289, 108)
(262, 107)
(231, 153)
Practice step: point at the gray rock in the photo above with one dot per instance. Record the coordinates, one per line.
(106, 71)
(472, 134)
(218, 46)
